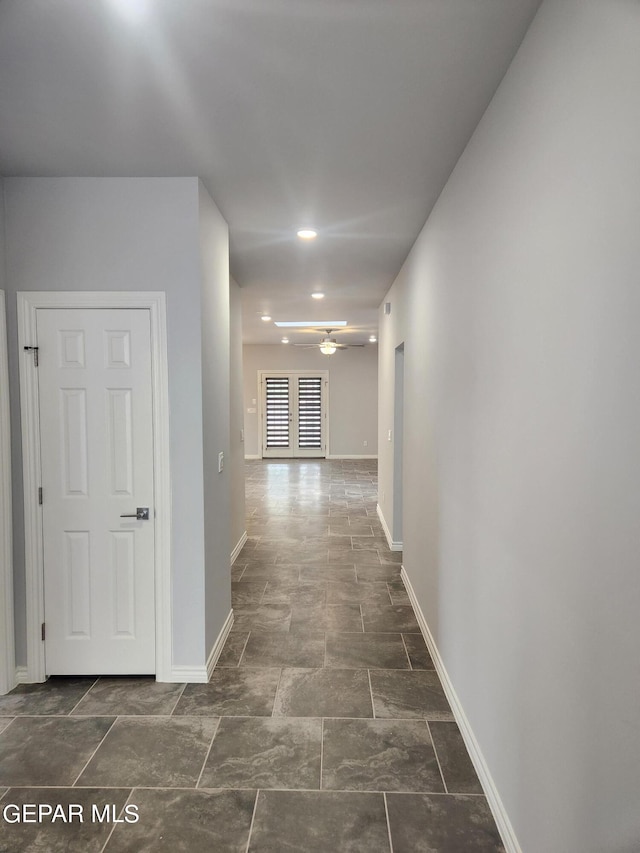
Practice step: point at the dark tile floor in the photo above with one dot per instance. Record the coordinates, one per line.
(324, 727)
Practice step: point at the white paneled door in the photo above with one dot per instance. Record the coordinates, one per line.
(294, 414)
(96, 427)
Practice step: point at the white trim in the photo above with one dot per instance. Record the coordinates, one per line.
(202, 674)
(21, 675)
(218, 646)
(7, 639)
(393, 546)
(236, 551)
(155, 302)
(352, 456)
(473, 747)
(252, 456)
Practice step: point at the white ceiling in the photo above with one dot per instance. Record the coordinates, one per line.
(347, 115)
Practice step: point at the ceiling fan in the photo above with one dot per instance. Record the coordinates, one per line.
(329, 345)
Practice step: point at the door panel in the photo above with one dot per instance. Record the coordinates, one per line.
(94, 381)
(293, 415)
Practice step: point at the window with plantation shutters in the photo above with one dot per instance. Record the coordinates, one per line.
(293, 413)
(310, 412)
(277, 411)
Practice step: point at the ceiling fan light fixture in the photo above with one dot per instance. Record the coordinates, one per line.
(372, 339)
(285, 340)
(327, 348)
(265, 318)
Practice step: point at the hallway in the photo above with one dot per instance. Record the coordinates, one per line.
(324, 726)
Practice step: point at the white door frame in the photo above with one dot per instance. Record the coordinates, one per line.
(28, 304)
(7, 640)
(262, 374)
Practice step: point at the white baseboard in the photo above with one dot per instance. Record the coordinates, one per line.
(219, 644)
(238, 548)
(252, 456)
(491, 792)
(393, 546)
(202, 674)
(351, 456)
(21, 675)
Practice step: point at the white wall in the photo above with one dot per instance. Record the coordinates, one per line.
(122, 234)
(214, 253)
(236, 441)
(353, 393)
(519, 306)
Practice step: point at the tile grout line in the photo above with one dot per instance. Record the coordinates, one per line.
(206, 758)
(435, 752)
(173, 710)
(386, 811)
(242, 652)
(253, 817)
(275, 697)
(91, 757)
(113, 828)
(321, 750)
(406, 651)
(82, 698)
(373, 707)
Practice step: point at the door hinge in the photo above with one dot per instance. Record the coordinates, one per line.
(34, 350)
(40, 495)
(42, 632)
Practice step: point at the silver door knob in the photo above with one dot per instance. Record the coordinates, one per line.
(141, 514)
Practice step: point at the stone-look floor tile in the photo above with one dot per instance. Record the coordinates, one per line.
(380, 572)
(418, 651)
(366, 651)
(233, 649)
(302, 594)
(367, 543)
(186, 822)
(364, 556)
(398, 594)
(392, 618)
(323, 693)
(49, 750)
(58, 695)
(233, 693)
(288, 574)
(336, 617)
(409, 695)
(247, 594)
(276, 649)
(379, 755)
(391, 557)
(237, 570)
(458, 771)
(357, 593)
(125, 695)
(303, 558)
(447, 823)
(152, 751)
(75, 836)
(249, 752)
(265, 617)
(4, 722)
(310, 822)
(343, 572)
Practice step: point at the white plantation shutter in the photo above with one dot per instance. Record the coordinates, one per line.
(277, 412)
(310, 412)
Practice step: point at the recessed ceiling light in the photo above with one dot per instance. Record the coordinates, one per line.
(311, 324)
(266, 317)
(372, 339)
(285, 340)
(317, 295)
(307, 234)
